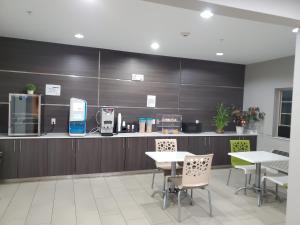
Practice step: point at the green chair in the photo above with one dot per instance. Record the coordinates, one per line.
(246, 167)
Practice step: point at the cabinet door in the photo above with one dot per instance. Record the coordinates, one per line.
(87, 156)
(32, 160)
(61, 157)
(220, 147)
(135, 158)
(112, 154)
(9, 161)
(199, 145)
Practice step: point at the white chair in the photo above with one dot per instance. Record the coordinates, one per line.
(277, 180)
(195, 174)
(165, 145)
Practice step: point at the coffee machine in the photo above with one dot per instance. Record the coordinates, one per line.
(107, 121)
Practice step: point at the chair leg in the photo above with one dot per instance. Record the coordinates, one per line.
(179, 206)
(276, 190)
(164, 187)
(246, 182)
(166, 197)
(153, 177)
(229, 175)
(249, 179)
(209, 201)
(192, 196)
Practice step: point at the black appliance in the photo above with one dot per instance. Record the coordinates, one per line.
(191, 127)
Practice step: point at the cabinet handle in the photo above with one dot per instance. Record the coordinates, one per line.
(204, 141)
(20, 146)
(209, 141)
(123, 143)
(77, 144)
(14, 145)
(72, 144)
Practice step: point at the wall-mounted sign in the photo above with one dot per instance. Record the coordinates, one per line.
(137, 77)
(52, 89)
(151, 101)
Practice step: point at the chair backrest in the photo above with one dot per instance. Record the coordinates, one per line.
(239, 146)
(196, 170)
(283, 153)
(282, 166)
(165, 145)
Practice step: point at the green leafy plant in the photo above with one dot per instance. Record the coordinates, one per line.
(30, 87)
(222, 117)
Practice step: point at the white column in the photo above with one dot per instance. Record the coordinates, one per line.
(293, 203)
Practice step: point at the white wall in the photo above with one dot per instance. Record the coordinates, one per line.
(261, 80)
(285, 8)
(293, 203)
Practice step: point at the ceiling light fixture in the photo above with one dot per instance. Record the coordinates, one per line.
(155, 46)
(219, 53)
(296, 30)
(206, 14)
(79, 36)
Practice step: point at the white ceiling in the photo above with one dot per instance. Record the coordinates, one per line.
(132, 25)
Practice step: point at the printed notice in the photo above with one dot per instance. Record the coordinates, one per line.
(53, 89)
(151, 101)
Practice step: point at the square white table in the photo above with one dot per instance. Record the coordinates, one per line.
(170, 157)
(257, 158)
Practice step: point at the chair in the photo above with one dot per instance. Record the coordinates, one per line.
(165, 145)
(195, 174)
(246, 167)
(277, 180)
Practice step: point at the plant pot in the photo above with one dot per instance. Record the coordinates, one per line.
(220, 131)
(239, 129)
(30, 92)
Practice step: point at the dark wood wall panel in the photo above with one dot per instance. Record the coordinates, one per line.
(3, 118)
(189, 87)
(78, 87)
(134, 94)
(121, 65)
(61, 113)
(207, 98)
(211, 73)
(42, 57)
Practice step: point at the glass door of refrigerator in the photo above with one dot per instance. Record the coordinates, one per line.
(24, 115)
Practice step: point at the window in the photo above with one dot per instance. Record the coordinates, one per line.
(284, 112)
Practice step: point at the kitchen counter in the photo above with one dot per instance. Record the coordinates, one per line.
(126, 135)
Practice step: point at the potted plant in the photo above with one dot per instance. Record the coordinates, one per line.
(254, 115)
(30, 88)
(222, 118)
(239, 118)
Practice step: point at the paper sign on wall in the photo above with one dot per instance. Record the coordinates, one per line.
(53, 89)
(151, 101)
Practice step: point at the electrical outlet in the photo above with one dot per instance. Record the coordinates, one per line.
(53, 121)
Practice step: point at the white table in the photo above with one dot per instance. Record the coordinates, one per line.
(257, 158)
(170, 157)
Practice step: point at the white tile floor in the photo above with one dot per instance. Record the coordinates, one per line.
(127, 200)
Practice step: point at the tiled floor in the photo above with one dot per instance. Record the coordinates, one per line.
(127, 200)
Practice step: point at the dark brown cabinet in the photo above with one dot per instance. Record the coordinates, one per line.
(220, 146)
(32, 160)
(112, 154)
(199, 145)
(61, 157)
(135, 158)
(88, 153)
(9, 162)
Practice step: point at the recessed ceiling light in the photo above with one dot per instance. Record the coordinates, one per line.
(79, 36)
(219, 53)
(296, 30)
(206, 14)
(155, 46)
